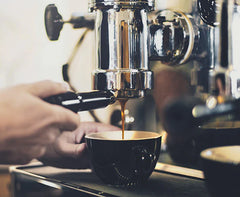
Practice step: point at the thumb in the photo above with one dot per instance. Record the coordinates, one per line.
(47, 88)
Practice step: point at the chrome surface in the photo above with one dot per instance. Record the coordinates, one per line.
(220, 75)
(126, 83)
(171, 37)
(222, 65)
(79, 20)
(118, 4)
(232, 49)
(128, 34)
(121, 54)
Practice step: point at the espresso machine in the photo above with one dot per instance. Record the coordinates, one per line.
(121, 48)
(129, 34)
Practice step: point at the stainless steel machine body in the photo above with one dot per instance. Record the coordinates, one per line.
(219, 75)
(121, 53)
(129, 34)
(126, 39)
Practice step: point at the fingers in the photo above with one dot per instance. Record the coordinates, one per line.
(65, 146)
(46, 130)
(64, 153)
(74, 156)
(65, 119)
(92, 127)
(47, 88)
(72, 150)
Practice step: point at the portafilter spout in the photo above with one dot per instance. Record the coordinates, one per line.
(121, 52)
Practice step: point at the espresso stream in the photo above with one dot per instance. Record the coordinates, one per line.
(123, 105)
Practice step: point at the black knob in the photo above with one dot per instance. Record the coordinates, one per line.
(207, 11)
(53, 22)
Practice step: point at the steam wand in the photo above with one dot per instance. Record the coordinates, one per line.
(185, 115)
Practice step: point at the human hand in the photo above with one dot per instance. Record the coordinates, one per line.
(28, 124)
(69, 150)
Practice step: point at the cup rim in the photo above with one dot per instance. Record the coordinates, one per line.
(146, 135)
(222, 154)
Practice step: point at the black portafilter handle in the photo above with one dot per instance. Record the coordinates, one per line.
(82, 101)
(184, 115)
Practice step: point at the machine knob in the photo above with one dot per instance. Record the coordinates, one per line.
(53, 22)
(207, 10)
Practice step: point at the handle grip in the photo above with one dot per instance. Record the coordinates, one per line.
(82, 101)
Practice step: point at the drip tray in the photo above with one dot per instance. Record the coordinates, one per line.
(165, 181)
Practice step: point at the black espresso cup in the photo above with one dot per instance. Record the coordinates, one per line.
(126, 162)
(221, 167)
